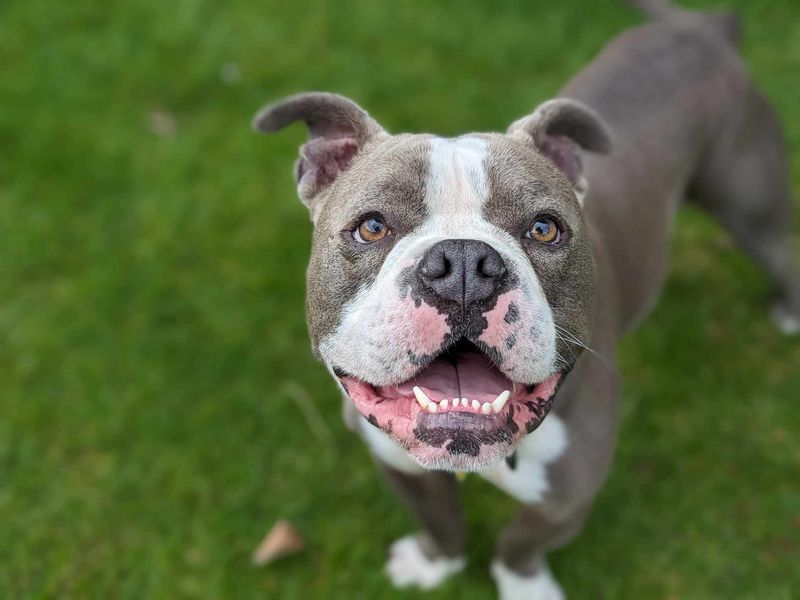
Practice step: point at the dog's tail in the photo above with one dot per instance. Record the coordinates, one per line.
(724, 23)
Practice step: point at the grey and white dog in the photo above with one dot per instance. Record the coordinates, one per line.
(454, 283)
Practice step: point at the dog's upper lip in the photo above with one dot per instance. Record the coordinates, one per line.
(460, 372)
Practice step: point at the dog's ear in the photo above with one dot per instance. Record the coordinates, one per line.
(557, 128)
(338, 128)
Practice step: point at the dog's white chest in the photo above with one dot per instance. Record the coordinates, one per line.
(527, 481)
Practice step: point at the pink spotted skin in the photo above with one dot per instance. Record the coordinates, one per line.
(429, 327)
(500, 328)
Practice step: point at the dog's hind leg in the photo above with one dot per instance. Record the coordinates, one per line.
(744, 183)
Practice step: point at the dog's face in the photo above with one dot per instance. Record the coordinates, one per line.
(451, 282)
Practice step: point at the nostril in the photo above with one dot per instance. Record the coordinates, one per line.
(491, 266)
(435, 267)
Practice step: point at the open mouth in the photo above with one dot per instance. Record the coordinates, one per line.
(460, 412)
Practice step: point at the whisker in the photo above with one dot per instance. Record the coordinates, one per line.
(567, 336)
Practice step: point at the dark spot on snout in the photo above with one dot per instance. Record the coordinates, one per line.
(511, 341)
(512, 314)
(372, 421)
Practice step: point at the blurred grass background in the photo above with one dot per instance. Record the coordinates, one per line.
(152, 327)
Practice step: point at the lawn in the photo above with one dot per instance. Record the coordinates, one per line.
(153, 351)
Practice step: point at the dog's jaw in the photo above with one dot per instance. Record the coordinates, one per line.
(458, 413)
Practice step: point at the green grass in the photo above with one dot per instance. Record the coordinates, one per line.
(152, 328)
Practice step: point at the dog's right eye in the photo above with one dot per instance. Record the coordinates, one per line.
(371, 229)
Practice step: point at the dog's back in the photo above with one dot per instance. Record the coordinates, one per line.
(687, 121)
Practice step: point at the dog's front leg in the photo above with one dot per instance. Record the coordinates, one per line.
(520, 568)
(428, 558)
(570, 454)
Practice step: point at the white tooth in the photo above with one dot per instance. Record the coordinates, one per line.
(422, 399)
(499, 402)
(475, 405)
(443, 404)
(432, 407)
(464, 402)
(486, 408)
(455, 402)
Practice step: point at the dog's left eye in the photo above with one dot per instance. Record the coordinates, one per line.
(371, 229)
(545, 231)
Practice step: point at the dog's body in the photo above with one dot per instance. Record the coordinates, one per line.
(682, 118)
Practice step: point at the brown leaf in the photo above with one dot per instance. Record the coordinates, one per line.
(161, 122)
(282, 540)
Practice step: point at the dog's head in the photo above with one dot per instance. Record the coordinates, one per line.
(451, 282)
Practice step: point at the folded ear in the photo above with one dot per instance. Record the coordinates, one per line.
(338, 128)
(557, 128)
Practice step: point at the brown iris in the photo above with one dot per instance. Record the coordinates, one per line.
(544, 230)
(371, 229)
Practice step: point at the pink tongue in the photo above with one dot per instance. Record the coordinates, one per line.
(473, 377)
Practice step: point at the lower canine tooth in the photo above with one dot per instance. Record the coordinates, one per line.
(422, 399)
(499, 402)
(475, 405)
(486, 408)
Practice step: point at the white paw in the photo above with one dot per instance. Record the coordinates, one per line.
(787, 321)
(408, 566)
(512, 586)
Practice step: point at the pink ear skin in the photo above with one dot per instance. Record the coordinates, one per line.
(338, 128)
(558, 128)
(563, 152)
(320, 163)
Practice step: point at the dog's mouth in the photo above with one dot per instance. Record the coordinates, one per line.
(459, 412)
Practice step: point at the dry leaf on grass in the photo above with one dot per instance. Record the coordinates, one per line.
(161, 122)
(282, 540)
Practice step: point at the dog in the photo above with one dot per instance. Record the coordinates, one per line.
(467, 294)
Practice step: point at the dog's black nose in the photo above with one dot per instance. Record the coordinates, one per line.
(463, 271)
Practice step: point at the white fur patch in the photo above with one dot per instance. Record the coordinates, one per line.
(787, 322)
(384, 448)
(511, 586)
(457, 187)
(408, 565)
(527, 482)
